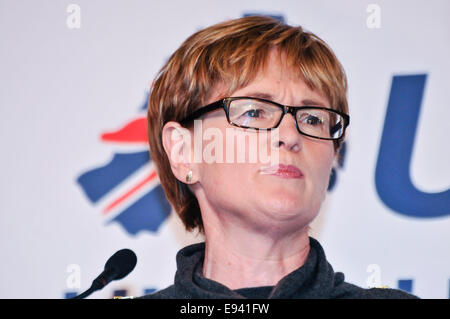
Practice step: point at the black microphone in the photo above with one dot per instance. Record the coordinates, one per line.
(117, 267)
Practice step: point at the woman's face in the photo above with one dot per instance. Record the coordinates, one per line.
(248, 193)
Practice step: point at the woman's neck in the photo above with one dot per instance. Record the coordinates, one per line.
(241, 258)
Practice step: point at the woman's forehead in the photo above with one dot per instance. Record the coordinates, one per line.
(275, 79)
(288, 92)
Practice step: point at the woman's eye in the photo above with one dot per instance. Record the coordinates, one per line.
(313, 120)
(253, 113)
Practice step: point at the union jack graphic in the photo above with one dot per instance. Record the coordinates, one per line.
(127, 189)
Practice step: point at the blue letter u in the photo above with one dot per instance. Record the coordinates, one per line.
(392, 176)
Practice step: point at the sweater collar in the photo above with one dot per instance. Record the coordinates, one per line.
(314, 279)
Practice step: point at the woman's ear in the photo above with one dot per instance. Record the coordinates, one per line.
(178, 147)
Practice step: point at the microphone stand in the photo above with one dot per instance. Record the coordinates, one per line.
(97, 284)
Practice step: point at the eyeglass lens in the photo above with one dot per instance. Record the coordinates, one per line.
(263, 115)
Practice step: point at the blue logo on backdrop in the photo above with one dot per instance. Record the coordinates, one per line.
(393, 182)
(137, 204)
(275, 16)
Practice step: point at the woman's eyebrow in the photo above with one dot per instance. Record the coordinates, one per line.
(311, 102)
(260, 95)
(268, 96)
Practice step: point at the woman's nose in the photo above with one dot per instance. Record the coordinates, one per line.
(289, 137)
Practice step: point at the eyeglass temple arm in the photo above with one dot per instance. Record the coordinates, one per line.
(338, 126)
(335, 128)
(208, 108)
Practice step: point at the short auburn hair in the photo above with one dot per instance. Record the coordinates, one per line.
(231, 53)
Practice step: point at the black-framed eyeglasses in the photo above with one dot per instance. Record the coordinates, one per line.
(261, 114)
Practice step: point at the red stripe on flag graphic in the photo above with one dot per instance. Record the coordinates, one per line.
(129, 193)
(133, 132)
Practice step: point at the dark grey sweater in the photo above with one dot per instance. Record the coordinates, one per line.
(315, 279)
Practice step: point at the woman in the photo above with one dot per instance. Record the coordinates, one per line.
(242, 77)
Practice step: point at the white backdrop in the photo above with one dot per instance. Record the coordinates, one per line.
(71, 71)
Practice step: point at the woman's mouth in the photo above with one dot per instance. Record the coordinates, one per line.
(284, 171)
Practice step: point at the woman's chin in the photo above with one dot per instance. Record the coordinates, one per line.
(287, 208)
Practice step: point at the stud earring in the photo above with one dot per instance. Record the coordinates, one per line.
(189, 176)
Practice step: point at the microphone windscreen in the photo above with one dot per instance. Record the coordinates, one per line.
(121, 263)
